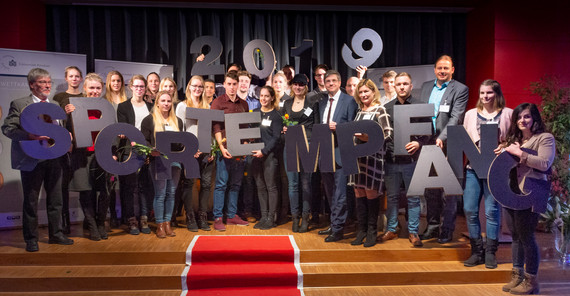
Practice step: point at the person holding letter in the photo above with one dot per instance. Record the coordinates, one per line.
(401, 168)
(229, 170)
(265, 163)
(162, 118)
(133, 112)
(195, 99)
(35, 172)
(87, 177)
(449, 98)
(490, 110)
(302, 110)
(368, 183)
(337, 108)
(527, 130)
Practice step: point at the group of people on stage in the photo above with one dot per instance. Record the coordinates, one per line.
(282, 101)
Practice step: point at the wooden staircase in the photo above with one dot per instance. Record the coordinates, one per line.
(145, 265)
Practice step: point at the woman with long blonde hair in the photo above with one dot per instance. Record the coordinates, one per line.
(168, 84)
(115, 88)
(195, 99)
(162, 118)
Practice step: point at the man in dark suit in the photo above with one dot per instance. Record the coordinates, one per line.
(336, 108)
(450, 99)
(34, 172)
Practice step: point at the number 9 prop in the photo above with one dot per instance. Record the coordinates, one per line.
(368, 57)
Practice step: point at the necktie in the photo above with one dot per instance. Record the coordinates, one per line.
(331, 100)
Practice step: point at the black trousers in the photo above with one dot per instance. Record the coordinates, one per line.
(48, 173)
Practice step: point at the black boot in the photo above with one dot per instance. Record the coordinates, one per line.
(191, 221)
(477, 253)
(89, 223)
(362, 216)
(262, 221)
(270, 222)
(296, 220)
(372, 232)
(304, 223)
(65, 223)
(490, 259)
(203, 221)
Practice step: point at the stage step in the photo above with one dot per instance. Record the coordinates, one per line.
(173, 292)
(416, 273)
(559, 289)
(167, 276)
(90, 277)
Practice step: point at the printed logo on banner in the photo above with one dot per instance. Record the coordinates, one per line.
(8, 62)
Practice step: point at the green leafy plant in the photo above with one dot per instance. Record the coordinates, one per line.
(555, 112)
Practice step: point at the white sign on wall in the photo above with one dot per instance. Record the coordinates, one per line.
(14, 68)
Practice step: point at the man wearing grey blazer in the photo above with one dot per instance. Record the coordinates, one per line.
(34, 172)
(450, 100)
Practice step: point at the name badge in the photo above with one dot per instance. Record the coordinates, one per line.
(308, 111)
(168, 128)
(444, 108)
(367, 116)
(492, 122)
(266, 122)
(281, 104)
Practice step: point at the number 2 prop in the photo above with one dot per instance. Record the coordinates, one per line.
(206, 67)
(367, 57)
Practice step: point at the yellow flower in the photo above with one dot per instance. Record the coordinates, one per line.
(286, 116)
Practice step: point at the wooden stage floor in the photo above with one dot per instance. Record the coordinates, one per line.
(389, 268)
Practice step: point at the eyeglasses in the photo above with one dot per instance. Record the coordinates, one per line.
(42, 82)
(138, 86)
(196, 86)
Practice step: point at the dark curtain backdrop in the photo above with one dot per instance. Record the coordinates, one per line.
(164, 35)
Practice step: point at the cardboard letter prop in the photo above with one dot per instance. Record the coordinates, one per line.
(234, 134)
(445, 179)
(83, 126)
(459, 142)
(368, 57)
(205, 118)
(349, 152)
(104, 154)
(536, 191)
(403, 128)
(206, 67)
(164, 141)
(32, 121)
(297, 148)
(268, 58)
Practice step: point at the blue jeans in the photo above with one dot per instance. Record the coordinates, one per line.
(395, 174)
(228, 171)
(164, 191)
(475, 189)
(298, 206)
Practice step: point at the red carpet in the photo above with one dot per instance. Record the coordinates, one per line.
(242, 265)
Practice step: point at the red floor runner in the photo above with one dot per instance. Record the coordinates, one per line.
(242, 265)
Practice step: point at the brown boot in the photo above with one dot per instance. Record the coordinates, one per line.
(528, 286)
(517, 276)
(168, 229)
(160, 233)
